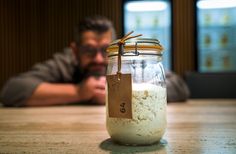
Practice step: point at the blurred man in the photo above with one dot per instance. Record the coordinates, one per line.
(76, 75)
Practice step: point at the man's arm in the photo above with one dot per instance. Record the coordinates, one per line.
(54, 94)
(177, 89)
(22, 88)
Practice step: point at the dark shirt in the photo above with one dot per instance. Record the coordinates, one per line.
(63, 68)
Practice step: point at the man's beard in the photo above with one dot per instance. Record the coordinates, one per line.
(94, 69)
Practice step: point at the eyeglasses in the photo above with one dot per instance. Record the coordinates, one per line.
(91, 51)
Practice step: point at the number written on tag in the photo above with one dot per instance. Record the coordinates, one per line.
(122, 108)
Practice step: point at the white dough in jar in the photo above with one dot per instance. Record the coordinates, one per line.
(149, 117)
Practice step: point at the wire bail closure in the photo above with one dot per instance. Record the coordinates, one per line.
(121, 46)
(121, 50)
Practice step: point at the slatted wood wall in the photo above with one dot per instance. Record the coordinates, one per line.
(183, 36)
(32, 30)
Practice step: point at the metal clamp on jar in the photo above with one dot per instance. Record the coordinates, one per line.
(136, 91)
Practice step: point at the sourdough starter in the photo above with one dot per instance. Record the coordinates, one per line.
(149, 117)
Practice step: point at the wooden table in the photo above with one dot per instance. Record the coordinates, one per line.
(196, 126)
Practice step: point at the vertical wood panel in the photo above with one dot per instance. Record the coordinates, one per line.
(32, 30)
(183, 36)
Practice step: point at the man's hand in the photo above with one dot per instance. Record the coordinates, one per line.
(93, 89)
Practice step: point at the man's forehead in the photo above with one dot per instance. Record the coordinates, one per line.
(94, 37)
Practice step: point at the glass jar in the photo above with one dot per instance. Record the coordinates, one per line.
(142, 59)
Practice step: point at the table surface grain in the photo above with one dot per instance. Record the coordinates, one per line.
(196, 126)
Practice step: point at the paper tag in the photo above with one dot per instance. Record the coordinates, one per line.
(120, 96)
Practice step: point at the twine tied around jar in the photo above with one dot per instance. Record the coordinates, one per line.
(121, 44)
